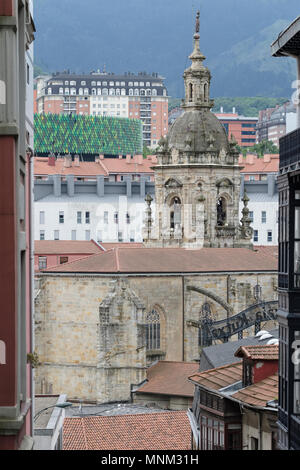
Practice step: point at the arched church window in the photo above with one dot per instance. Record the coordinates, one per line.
(175, 213)
(221, 211)
(153, 330)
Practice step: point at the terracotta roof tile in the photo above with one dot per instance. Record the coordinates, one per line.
(49, 247)
(259, 165)
(154, 431)
(260, 393)
(172, 260)
(170, 378)
(220, 377)
(259, 352)
(104, 167)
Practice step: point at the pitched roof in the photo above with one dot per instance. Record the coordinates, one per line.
(54, 247)
(170, 378)
(268, 250)
(259, 352)
(156, 431)
(260, 393)
(221, 354)
(109, 246)
(171, 260)
(220, 377)
(102, 167)
(267, 164)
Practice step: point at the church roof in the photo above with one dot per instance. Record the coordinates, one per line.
(171, 260)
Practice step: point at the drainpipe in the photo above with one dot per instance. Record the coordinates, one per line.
(260, 430)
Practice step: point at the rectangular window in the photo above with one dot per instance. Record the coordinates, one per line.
(255, 236)
(63, 259)
(61, 217)
(99, 236)
(105, 217)
(87, 235)
(79, 220)
(42, 234)
(251, 215)
(73, 236)
(116, 217)
(128, 218)
(87, 217)
(263, 217)
(42, 262)
(120, 236)
(56, 234)
(269, 235)
(42, 217)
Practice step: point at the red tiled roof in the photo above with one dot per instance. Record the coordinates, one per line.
(259, 352)
(153, 431)
(170, 378)
(41, 167)
(104, 167)
(117, 165)
(220, 377)
(175, 260)
(268, 250)
(260, 393)
(54, 247)
(260, 165)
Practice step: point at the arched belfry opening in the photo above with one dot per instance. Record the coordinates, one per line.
(175, 212)
(205, 89)
(191, 92)
(221, 211)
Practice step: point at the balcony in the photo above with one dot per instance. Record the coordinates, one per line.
(289, 149)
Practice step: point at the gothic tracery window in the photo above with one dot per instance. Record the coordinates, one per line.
(153, 330)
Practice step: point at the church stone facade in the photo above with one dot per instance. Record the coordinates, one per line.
(101, 321)
(197, 178)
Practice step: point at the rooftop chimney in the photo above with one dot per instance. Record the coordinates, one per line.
(51, 160)
(139, 159)
(120, 157)
(76, 160)
(101, 157)
(250, 159)
(67, 161)
(222, 110)
(128, 158)
(267, 158)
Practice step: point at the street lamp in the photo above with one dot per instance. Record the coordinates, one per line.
(65, 404)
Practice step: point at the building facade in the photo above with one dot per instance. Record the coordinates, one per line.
(242, 128)
(288, 43)
(16, 149)
(142, 96)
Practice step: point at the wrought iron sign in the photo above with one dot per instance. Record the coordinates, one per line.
(223, 329)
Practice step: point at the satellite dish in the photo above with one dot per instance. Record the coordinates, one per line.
(273, 341)
(260, 333)
(265, 336)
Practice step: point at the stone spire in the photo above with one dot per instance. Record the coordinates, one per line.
(197, 77)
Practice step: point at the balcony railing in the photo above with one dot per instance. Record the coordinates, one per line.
(289, 149)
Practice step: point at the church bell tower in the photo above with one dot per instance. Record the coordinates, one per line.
(197, 178)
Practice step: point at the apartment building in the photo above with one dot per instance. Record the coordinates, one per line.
(274, 123)
(259, 182)
(16, 268)
(242, 128)
(137, 96)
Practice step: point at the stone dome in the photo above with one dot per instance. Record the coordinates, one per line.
(198, 131)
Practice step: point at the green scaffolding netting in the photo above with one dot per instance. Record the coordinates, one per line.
(87, 135)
